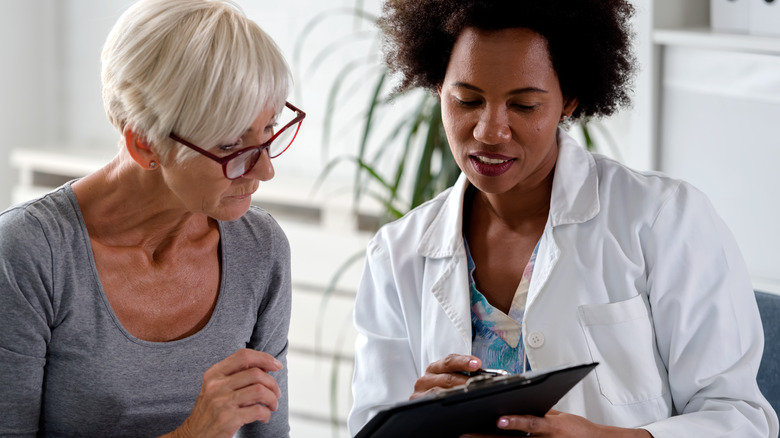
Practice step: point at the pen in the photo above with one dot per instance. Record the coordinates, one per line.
(485, 372)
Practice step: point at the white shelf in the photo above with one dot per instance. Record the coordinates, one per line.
(285, 194)
(707, 39)
(59, 160)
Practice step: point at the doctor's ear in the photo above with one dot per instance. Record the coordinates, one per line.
(140, 149)
(569, 105)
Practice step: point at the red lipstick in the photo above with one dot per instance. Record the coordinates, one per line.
(491, 164)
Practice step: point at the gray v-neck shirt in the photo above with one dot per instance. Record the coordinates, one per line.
(69, 368)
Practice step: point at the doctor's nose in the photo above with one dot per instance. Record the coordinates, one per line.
(493, 128)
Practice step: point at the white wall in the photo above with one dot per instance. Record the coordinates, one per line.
(50, 80)
(28, 83)
(83, 27)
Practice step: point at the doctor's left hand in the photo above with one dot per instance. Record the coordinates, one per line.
(561, 425)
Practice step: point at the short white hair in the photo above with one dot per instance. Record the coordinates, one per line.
(197, 68)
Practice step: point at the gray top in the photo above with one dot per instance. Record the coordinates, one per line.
(69, 368)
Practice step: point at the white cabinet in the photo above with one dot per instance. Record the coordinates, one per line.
(730, 15)
(706, 110)
(764, 17)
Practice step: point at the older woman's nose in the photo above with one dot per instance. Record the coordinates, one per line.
(493, 127)
(264, 169)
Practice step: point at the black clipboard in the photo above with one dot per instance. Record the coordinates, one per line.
(476, 406)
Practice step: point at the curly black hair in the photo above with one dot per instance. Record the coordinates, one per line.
(589, 42)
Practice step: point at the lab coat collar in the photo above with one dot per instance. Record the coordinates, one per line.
(444, 236)
(574, 200)
(575, 194)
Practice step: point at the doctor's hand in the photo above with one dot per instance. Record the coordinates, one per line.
(445, 373)
(234, 392)
(561, 425)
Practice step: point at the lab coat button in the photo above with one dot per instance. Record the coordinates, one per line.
(535, 339)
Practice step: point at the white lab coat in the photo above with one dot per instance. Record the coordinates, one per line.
(635, 271)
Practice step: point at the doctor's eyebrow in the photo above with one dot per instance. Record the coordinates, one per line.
(522, 90)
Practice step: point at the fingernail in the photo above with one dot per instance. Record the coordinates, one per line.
(503, 422)
(473, 363)
(278, 364)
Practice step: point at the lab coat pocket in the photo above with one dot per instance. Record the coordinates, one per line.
(620, 337)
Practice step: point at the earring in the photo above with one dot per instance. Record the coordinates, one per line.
(564, 117)
(152, 164)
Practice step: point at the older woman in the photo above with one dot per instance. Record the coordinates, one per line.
(543, 254)
(149, 297)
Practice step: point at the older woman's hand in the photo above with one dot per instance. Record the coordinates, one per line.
(445, 373)
(561, 425)
(234, 392)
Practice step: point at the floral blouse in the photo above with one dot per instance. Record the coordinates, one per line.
(497, 337)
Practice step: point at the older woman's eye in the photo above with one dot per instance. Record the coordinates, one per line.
(229, 147)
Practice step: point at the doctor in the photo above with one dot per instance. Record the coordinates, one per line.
(543, 254)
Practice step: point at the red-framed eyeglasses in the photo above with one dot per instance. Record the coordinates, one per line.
(238, 164)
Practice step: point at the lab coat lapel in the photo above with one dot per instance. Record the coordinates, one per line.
(449, 319)
(574, 200)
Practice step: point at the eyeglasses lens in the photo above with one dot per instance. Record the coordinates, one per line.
(242, 164)
(285, 137)
(283, 140)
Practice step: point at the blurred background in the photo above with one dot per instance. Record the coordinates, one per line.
(706, 109)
